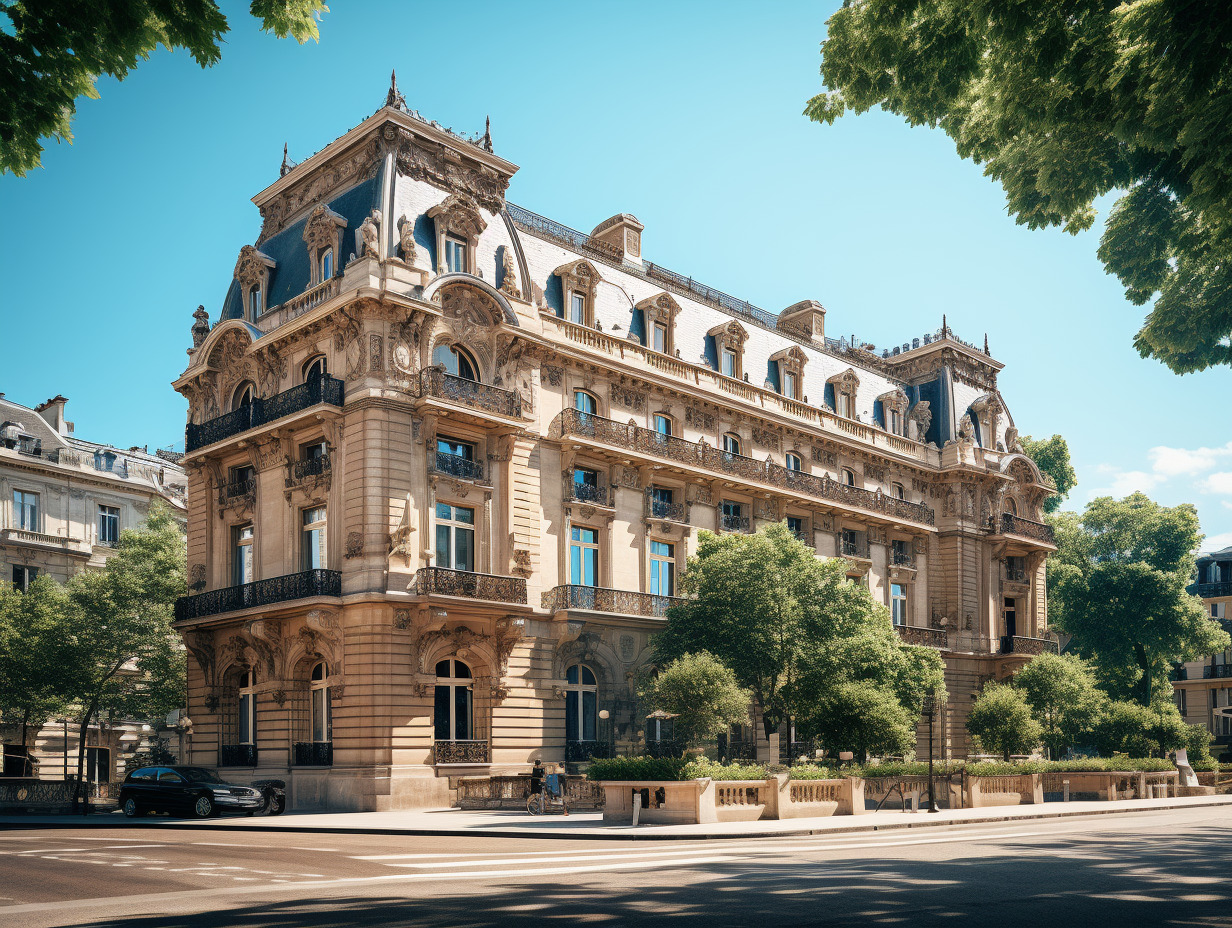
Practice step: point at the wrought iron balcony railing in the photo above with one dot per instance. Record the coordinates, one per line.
(308, 467)
(733, 523)
(923, 636)
(442, 581)
(1019, 644)
(457, 465)
(317, 390)
(434, 381)
(902, 558)
(594, 493)
(237, 489)
(582, 751)
(1211, 590)
(1216, 671)
(666, 509)
(259, 593)
(460, 752)
(1024, 528)
(237, 755)
(856, 547)
(600, 599)
(313, 754)
(654, 444)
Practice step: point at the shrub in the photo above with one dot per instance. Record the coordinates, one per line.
(1128, 728)
(701, 693)
(702, 767)
(1198, 747)
(865, 719)
(902, 769)
(670, 768)
(813, 772)
(1001, 717)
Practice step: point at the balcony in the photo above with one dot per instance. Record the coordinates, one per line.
(1022, 528)
(729, 522)
(262, 411)
(441, 581)
(579, 752)
(593, 493)
(923, 636)
(29, 539)
(1210, 590)
(902, 559)
(1179, 674)
(691, 455)
(1015, 575)
(237, 755)
(1018, 644)
(457, 465)
(460, 752)
(237, 489)
(666, 509)
(259, 593)
(313, 754)
(599, 599)
(855, 547)
(1216, 671)
(436, 383)
(307, 469)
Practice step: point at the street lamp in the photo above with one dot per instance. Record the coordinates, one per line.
(929, 708)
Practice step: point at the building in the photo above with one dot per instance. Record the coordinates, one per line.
(63, 503)
(1204, 686)
(447, 459)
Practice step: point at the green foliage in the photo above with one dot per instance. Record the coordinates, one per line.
(813, 772)
(1129, 728)
(1051, 456)
(1117, 586)
(53, 51)
(864, 719)
(1198, 747)
(1082, 765)
(702, 694)
(37, 673)
(1063, 697)
(910, 768)
(1001, 718)
(670, 768)
(700, 767)
(1066, 102)
(158, 754)
(791, 627)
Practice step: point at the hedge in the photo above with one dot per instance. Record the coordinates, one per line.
(670, 768)
(813, 772)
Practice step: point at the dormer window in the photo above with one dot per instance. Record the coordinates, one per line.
(894, 411)
(458, 227)
(252, 271)
(327, 264)
(659, 319)
(845, 386)
(659, 342)
(323, 238)
(790, 387)
(455, 254)
(729, 362)
(790, 363)
(256, 303)
(729, 348)
(844, 405)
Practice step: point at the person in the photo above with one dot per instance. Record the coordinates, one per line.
(555, 785)
(536, 777)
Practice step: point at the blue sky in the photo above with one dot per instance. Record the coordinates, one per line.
(687, 115)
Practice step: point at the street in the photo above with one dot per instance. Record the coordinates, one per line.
(1148, 868)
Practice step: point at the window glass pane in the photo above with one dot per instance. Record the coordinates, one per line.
(245, 719)
(571, 715)
(443, 554)
(464, 555)
(577, 308)
(590, 702)
(663, 425)
(443, 510)
(729, 363)
(660, 337)
(586, 477)
(463, 515)
(462, 713)
(584, 402)
(440, 714)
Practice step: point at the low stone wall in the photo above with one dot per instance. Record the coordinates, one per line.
(664, 802)
(817, 798)
(20, 795)
(1019, 789)
(1111, 785)
(897, 791)
(705, 801)
(511, 791)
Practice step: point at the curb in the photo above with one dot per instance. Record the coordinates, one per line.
(926, 821)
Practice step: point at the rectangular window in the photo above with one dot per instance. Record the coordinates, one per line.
(26, 510)
(662, 569)
(241, 554)
(584, 556)
(455, 537)
(898, 603)
(312, 452)
(254, 302)
(789, 385)
(455, 254)
(663, 425)
(23, 576)
(896, 422)
(844, 406)
(1011, 616)
(900, 552)
(796, 525)
(660, 337)
(577, 308)
(460, 449)
(729, 362)
(108, 525)
(312, 539)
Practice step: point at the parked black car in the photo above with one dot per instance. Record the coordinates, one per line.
(195, 791)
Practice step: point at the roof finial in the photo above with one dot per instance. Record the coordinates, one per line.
(286, 163)
(944, 329)
(986, 343)
(394, 98)
(487, 133)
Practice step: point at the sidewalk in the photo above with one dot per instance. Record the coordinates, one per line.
(589, 825)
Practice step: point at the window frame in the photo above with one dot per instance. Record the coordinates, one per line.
(791, 458)
(578, 394)
(320, 716)
(584, 555)
(453, 527)
(245, 545)
(661, 562)
(452, 682)
(578, 707)
(669, 421)
(28, 502)
(318, 527)
(899, 600)
(108, 515)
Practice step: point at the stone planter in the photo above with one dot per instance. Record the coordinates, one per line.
(703, 801)
(1019, 789)
(815, 798)
(1112, 785)
(664, 802)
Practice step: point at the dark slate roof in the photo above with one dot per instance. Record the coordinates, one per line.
(290, 275)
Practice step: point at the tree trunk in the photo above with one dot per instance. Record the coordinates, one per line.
(26, 766)
(1143, 687)
(83, 732)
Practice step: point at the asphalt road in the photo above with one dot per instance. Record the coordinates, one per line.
(1127, 870)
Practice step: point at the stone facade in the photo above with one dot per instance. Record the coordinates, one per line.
(439, 500)
(1204, 686)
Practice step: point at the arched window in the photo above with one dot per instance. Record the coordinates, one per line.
(793, 461)
(242, 396)
(454, 704)
(247, 721)
(255, 304)
(581, 704)
(585, 402)
(731, 442)
(322, 724)
(327, 264)
(1010, 506)
(456, 362)
(849, 477)
(314, 368)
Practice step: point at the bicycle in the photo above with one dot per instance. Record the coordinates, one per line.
(542, 802)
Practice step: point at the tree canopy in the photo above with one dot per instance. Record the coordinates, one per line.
(54, 51)
(701, 693)
(1051, 456)
(1001, 718)
(1117, 586)
(791, 627)
(1062, 693)
(1066, 102)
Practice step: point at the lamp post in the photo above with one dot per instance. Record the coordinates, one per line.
(929, 708)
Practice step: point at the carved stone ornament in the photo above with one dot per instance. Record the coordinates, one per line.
(521, 563)
(824, 457)
(458, 215)
(699, 419)
(252, 266)
(509, 274)
(196, 578)
(344, 171)
(920, 419)
(553, 375)
(354, 545)
(406, 239)
(628, 397)
(423, 160)
(966, 429)
(370, 234)
(402, 619)
(400, 537)
(765, 437)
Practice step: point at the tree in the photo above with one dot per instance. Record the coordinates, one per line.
(790, 626)
(36, 670)
(1063, 696)
(1117, 586)
(702, 694)
(1001, 718)
(1066, 102)
(1051, 456)
(53, 51)
(864, 719)
(1140, 731)
(126, 654)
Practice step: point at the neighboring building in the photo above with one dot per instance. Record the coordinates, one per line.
(63, 503)
(1202, 686)
(448, 458)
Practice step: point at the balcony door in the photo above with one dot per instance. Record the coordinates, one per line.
(454, 701)
(581, 704)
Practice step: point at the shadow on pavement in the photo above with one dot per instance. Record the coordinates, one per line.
(1114, 880)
